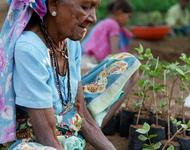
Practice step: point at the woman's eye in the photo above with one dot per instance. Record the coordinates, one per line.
(85, 7)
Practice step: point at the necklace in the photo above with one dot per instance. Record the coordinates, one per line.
(66, 105)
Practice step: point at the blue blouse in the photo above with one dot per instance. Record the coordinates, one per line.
(33, 77)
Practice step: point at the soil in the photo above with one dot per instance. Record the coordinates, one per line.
(168, 49)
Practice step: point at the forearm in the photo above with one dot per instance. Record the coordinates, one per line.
(43, 124)
(90, 129)
(98, 140)
(114, 44)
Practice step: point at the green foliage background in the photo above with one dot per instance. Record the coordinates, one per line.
(143, 6)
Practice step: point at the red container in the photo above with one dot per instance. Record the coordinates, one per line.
(150, 32)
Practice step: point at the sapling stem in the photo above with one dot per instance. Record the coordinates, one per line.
(167, 99)
(154, 93)
(169, 140)
(140, 109)
(183, 109)
(155, 103)
(169, 104)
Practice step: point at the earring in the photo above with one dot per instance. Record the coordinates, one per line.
(54, 13)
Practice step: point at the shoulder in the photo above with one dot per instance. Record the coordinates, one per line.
(109, 22)
(30, 43)
(175, 8)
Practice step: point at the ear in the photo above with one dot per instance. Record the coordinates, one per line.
(51, 6)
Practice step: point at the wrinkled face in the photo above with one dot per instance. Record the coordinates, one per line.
(74, 16)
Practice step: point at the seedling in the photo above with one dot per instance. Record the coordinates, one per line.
(144, 55)
(146, 137)
(183, 127)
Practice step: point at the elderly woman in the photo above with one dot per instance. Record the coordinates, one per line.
(40, 73)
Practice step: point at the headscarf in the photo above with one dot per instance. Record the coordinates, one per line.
(19, 14)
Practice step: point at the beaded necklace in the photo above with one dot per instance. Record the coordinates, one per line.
(66, 105)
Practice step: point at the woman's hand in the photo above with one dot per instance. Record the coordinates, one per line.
(44, 127)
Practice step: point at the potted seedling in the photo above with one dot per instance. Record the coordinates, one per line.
(126, 118)
(183, 127)
(184, 77)
(156, 88)
(173, 70)
(180, 73)
(143, 84)
(145, 56)
(145, 137)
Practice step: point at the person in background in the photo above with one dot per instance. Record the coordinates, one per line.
(110, 35)
(178, 18)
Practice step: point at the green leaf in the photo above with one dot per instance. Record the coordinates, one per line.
(142, 131)
(157, 145)
(184, 126)
(140, 49)
(180, 72)
(148, 53)
(188, 123)
(178, 123)
(142, 138)
(146, 126)
(147, 148)
(171, 148)
(145, 129)
(162, 104)
(152, 136)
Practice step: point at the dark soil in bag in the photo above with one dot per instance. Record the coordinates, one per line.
(184, 142)
(159, 131)
(134, 143)
(126, 119)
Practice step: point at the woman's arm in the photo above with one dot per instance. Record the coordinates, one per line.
(114, 42)
(43, 124)
(90, 129)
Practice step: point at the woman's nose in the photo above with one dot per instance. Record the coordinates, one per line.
(92, 16)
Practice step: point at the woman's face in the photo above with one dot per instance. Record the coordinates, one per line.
(73, 17)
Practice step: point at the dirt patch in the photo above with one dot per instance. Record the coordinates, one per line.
(168, 49)
(119, 142)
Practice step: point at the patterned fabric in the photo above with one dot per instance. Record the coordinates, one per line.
(100, 47)
(18, 16)
(67, 135)
(25, 145)
(103, 85)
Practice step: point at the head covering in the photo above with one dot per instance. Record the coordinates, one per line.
(19, 14)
